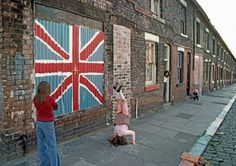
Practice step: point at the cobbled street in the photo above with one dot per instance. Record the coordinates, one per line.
(221, 150)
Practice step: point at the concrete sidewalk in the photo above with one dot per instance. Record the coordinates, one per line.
(161, 136)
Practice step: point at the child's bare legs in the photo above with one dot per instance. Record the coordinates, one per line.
(124, 106)
(119, 106)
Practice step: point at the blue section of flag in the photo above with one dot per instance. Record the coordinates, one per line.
(62, 83)
(85, 35)
(98, 55)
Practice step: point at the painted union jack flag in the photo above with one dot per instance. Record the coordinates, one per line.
(70, 58)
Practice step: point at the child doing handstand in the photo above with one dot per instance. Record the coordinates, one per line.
(121, 121)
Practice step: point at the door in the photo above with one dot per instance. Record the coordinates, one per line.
(188, 73)
(167, 51)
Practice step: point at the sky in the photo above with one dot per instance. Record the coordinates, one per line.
(222, 15)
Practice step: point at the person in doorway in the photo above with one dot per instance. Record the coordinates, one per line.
(166, 78)
(45, 130)
(121, 121)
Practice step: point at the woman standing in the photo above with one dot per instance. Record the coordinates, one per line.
(166, 77)
(46, 137)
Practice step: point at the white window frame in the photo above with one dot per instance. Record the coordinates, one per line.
(180, 65)
(198, 30)
(156, 8)
(207, 40)
(213, 46)
(153, 63)
(151, 39)
(184, 20)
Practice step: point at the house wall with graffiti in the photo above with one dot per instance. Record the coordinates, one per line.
(82, 48)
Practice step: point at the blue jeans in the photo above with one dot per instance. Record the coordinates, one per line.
(47, 146)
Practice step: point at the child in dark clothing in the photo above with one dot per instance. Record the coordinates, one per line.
(195, 95)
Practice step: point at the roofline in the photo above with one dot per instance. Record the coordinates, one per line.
(199, 8)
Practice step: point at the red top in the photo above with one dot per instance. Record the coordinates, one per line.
(44, 111)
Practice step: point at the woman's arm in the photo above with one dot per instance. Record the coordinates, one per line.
(54, 104)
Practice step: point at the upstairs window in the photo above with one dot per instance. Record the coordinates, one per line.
(198, 32)
(183, 19)
(207, 40)
(206, 71)
(213, 46)
(222, 53)
(150, 63)
(218, 49)
(156, 7)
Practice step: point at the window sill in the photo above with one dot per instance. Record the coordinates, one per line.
(153, 87)
(179, 84)
(186, 36)
(199, 45)
(158, 18)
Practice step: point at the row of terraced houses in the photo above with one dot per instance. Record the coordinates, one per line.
(83, 47)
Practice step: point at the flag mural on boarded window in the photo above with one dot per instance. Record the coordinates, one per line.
(70, 58)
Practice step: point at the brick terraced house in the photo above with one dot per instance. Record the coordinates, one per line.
(82, 47)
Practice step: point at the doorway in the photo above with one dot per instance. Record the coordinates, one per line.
(167, 52)
(188, 73)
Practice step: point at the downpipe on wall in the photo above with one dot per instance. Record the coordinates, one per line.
(136, 108)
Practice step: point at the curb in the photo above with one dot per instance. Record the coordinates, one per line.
(202, 142)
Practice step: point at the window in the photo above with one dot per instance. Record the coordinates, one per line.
(213, 46)
(221, 73)
(207, 41)
(218, 49)
(156, 7)
(180, 67)
(150, 63)
(206, 71)
(222, 53)
(212, 72)
(183, 19)
(198, 32)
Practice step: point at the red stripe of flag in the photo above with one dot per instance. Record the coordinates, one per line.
(40, 32)
(61, 88)
(92, 46)
(53, 67)
(91, 87)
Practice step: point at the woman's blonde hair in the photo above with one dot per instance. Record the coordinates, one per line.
(43, 91)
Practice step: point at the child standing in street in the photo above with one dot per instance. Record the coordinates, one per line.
(46, 137)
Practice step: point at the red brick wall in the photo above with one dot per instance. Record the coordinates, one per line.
(178, 91)
(16, 68)
(121, 59)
